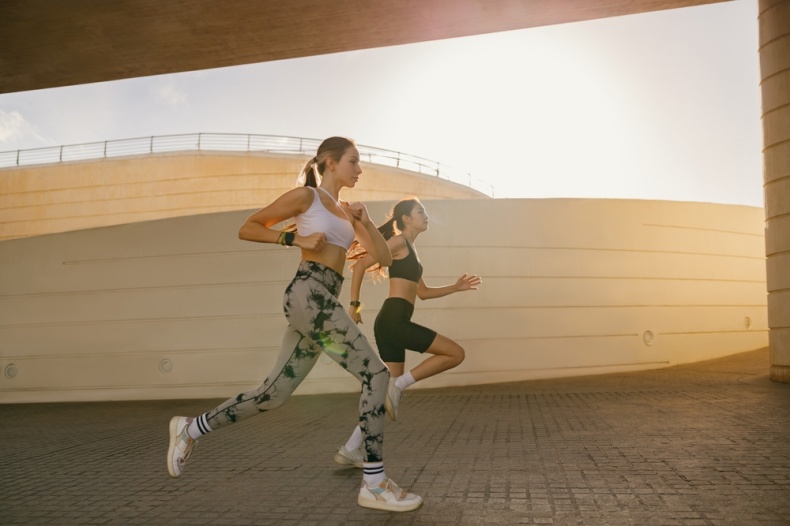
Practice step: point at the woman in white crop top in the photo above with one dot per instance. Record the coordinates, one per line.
(317, 322)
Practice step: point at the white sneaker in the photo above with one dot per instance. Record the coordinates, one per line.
(181, 445)
(388, 496)
(354, 458)
(392, 401)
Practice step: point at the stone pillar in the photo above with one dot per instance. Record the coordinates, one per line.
(774, 20)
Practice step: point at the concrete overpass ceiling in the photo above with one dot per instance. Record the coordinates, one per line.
(51, 43)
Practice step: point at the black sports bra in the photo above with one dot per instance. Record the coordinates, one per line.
(408, 268)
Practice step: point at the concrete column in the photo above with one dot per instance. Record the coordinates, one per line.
(774, 20)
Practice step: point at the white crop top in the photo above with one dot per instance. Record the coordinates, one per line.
(317, 218)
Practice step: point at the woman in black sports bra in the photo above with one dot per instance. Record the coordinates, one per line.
(393, 328)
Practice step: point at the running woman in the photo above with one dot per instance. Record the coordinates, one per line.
(393, 329)
(317, 321)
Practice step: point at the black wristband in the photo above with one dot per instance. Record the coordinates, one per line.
(356, 304)
(288, 239)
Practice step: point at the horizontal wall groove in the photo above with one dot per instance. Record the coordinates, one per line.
(278, 315)
(121, 387)
(775, 180)
(600, 336)
(191, 286)
(767, 9)
(590, 249)
(284, 282)
(684, 227)
(552, 337)
(157, 353)
(160, 320)
(167, 180)
(635, 278)
(203, 209)
(114, 200)
(561, 368)
(774, 145)
(774, 40)
(610, 306)
(275, 248)
(777, 108)
(687, 333)
(768, 219)
(256, 250)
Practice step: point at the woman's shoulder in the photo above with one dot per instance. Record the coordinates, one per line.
(302, 194)
(397, 245)
(295, 201)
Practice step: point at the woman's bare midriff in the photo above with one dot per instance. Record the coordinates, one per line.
(403, 288)
(332, 256)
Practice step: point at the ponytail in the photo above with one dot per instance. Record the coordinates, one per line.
(389, 229)
(309, 175)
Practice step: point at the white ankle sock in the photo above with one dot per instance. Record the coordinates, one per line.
(405, 380)
(373, 473)
(355, 441)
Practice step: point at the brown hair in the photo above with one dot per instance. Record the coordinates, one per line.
(333, 147)
(402, 208)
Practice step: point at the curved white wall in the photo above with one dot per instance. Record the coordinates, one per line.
(180, 307)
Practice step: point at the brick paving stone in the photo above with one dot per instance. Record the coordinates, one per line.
(700, 444)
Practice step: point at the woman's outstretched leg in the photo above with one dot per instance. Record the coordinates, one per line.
(297, 357)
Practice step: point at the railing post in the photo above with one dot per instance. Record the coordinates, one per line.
(17, 156)
(105, 149)
(200, 136)
(151, 145)
(60, 154)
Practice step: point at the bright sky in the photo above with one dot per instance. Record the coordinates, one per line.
(662, 105)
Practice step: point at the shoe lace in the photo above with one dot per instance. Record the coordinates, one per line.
(395, 489)
(191, 445)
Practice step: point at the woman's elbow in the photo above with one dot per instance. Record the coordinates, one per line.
(245, 232)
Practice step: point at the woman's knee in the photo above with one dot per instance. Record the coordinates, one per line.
(449, 349)
(457, 355)
(274, 403)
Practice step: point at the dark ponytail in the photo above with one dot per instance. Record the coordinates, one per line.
(389, 229)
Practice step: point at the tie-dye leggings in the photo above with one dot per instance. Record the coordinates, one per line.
(316, 322)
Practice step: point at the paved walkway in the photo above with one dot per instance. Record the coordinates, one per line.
(701, 444)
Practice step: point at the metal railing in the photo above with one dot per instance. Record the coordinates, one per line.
(234, 143)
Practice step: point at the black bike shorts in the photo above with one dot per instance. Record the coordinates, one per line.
(395, 332)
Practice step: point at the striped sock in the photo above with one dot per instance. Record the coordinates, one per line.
(198, 427)
(373, 473)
